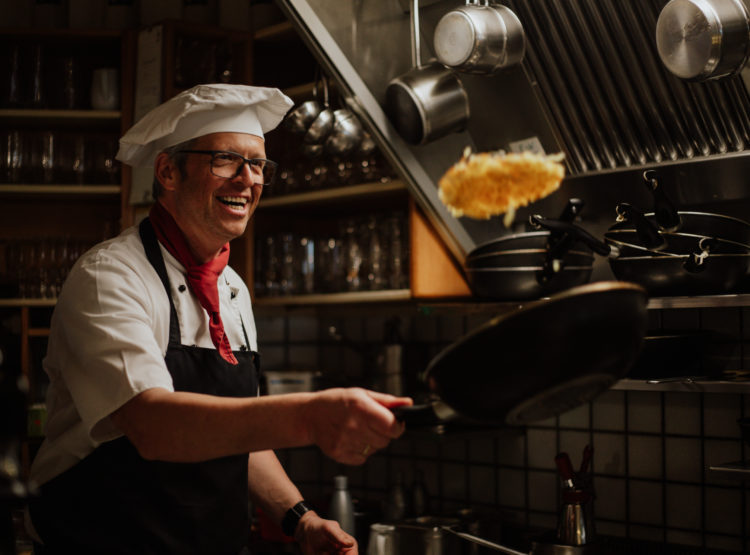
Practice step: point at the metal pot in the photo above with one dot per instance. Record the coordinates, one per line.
(478, 38)
(322, 125)
(427, 102)
(300, 119)
(703, 39)
(346, 134)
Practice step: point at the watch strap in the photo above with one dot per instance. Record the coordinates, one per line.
(292, 517)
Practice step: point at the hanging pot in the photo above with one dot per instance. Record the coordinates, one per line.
(427, 102)
(478, 38)
(322, 125)
(538, 361)
(303, 115)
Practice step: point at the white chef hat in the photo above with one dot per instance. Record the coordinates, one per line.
(201, 110)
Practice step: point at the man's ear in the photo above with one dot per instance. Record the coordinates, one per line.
(166, 171)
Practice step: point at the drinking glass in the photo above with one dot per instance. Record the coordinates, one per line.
(49, 157)
(105, 89)
(352, 256)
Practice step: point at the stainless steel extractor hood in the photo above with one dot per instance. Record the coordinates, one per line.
(591, 85)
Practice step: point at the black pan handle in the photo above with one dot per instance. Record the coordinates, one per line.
(572, 209)
(666, 214)
(579, 233)
(417, 415)
(647, 233)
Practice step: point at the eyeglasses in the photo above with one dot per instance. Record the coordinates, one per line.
(229, 165)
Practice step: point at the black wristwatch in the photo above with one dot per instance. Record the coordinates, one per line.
(292, 516)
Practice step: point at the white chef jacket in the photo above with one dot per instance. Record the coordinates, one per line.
(108, 339)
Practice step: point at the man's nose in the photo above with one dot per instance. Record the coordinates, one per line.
(248, 176)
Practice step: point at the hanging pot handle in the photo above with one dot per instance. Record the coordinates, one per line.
(698, 260)
(416, 56)
(580, 234)
(666, 214)
(647, 233)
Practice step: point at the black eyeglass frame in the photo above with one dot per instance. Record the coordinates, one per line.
(248, 161)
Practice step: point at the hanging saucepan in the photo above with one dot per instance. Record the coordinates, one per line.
(427, 102)
(303, 115)
(322, 125)
(665, 273)
(478, 38)
(346, 135)
(539, 360)
(668, 218)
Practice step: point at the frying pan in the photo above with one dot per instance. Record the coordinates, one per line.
(683, 275)
(669, 218)
(536, 239)
(525, 283)
(537, 361)
(526, 257)
(698, 273)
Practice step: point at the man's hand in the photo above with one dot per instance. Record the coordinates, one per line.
(319, 536)
(349, 425)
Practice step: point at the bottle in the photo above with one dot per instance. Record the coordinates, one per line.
(342, 506)
(395, 505)
(419, 496)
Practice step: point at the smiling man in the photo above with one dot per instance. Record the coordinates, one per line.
(156, 434)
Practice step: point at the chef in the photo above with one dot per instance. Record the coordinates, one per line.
(156, 435)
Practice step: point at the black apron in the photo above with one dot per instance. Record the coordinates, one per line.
(116, 502)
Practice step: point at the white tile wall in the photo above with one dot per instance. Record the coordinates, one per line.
(651, 449)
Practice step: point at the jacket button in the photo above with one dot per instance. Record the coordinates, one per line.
(182, 288)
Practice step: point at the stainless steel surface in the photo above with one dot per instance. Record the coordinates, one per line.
(427, 102)
(701, 39)
(478, 38)
(591, 85)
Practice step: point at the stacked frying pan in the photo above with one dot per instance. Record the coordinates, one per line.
(530, 265)
(667, 252)
(670, 252)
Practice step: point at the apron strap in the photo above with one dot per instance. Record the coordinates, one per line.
(153, 252)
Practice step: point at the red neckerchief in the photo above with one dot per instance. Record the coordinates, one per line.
(202, 278)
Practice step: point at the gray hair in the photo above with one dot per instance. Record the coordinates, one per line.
(179, 159)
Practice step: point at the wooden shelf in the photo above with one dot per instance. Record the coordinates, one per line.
(62, 115)
(279, 32)
(361, 191)
(336, 298)
(30, 303)
(63, 190)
